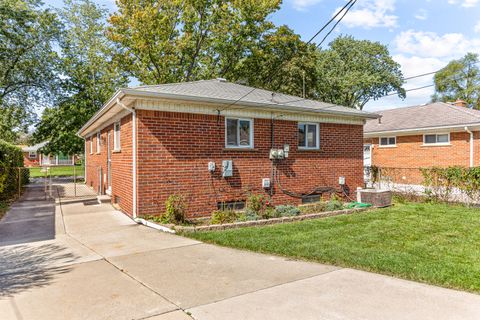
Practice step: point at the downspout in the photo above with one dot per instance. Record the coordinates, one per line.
(471, 146)
(85, 160)
(134, 157)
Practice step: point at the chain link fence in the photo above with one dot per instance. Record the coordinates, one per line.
(64, 182)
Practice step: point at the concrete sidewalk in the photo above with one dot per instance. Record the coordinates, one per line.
(101, 265)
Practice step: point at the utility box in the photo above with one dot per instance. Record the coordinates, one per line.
(227, 168)
(266, 183)
(377, 198)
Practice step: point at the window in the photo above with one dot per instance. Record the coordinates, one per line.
(388, 141)
(99, 136)
(308, 136)
(443, 138)
(32, 154)
(238, 133)
(116, 136)
(91, 145)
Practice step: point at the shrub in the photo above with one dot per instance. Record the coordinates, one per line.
(334, 204)
(248, 215)
(175, 210)
(11, 157)
(259, 204)
(287, 211)
(313, 207)
(224, 216)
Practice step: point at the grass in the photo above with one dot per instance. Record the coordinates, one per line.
(61, 171)
(431, 243)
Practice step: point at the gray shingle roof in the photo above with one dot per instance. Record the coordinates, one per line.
(437, 114)
(226, 92)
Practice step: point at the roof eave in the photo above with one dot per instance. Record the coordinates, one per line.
(118, 94)
(228, 102)
(368, 134)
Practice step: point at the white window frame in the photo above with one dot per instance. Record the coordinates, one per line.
(91, 144)
(99, 136)
(436, 143)
(317, 138)
(238, 146)
(30, 153)
(116, 139)
(387, 145)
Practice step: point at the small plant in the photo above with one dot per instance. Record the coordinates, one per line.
(334, 203)
(248, 215)
(175, 210)
(259, 204)
(287, 211)
(224, 216)
(313, 207)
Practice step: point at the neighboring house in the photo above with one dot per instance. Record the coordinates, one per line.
(33, 157)
(210, 141)
(435, 134)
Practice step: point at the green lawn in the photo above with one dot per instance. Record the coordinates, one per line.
(433, 243)
(57, 171)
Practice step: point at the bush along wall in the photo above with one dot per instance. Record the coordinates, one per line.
(11, 158)
(441, 183)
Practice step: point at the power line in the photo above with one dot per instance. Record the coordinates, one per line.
(339, 20)
(349, 3)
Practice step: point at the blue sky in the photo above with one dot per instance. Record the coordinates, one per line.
(422, 35)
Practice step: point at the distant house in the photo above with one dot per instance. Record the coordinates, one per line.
(215, 142)
(33, 157)
(435, 134)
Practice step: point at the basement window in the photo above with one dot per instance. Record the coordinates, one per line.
(238, 133)
(311, 198)
(231, 205)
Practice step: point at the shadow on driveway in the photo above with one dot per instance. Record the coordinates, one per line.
(25, 267)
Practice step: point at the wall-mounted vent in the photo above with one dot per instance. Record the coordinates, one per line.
(231, 205)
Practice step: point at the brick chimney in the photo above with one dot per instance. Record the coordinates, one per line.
(460, 103)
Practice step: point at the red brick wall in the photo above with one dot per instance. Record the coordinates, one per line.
(174, 150)
(29, 162)
(121, 164)
(409, 154)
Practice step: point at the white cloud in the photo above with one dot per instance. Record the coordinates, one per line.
(477, 27)
(421, 14)
(464, 3)
(430, 44)
(371, 14)
(302, 5)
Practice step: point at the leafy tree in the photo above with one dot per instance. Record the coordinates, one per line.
(460, 79)
(165, 41)
(352, 72)
(90, 76)
(28, 63)
(280, 62)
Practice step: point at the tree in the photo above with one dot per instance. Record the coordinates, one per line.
(90, 76)
(460, 79)
(281, 62)
(165, 41)
(28, 63)
(352, 72)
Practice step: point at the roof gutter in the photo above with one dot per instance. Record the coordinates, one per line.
(140, 93)
(416, 130)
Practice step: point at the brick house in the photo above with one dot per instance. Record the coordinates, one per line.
(149, 142)
(435, 134)
(33, 157)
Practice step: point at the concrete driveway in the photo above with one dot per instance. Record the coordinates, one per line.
(101, 265)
